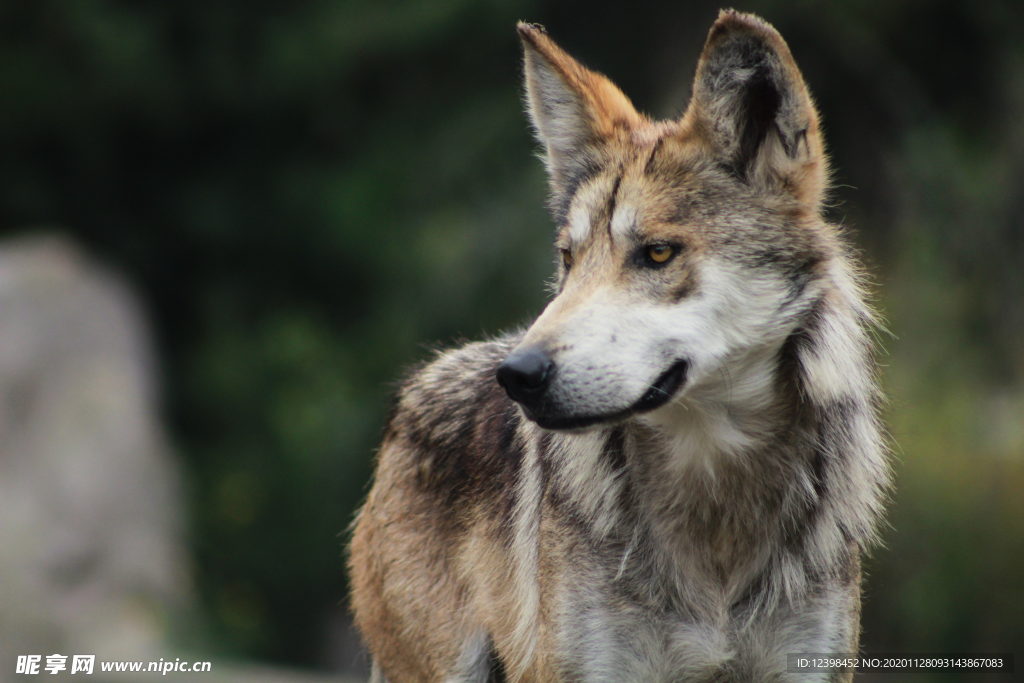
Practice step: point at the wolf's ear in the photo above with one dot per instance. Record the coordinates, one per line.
(751, 106)
(573, 110)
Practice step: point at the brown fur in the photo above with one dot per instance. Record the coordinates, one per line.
(697, 540)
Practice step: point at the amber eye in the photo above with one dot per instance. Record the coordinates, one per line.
(567, 258)
(660, 253)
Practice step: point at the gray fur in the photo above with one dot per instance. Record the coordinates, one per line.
(702, 539)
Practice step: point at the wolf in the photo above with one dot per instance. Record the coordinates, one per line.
(673, 473)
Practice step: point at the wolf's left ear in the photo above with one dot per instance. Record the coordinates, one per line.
(574, 110)
(751, 106)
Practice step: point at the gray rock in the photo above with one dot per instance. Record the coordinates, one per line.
(91, 552)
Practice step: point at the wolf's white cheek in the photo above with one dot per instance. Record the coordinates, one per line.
(618, 349)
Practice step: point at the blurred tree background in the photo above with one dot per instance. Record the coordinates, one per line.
(311, 193)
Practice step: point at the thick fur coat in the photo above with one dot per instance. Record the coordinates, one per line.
(682, 464)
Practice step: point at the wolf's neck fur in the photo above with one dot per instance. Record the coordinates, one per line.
(725, 416)
(750, 468)
(718, 475)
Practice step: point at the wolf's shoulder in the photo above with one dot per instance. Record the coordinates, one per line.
(448, 390)
(454, 376)
(457, 423)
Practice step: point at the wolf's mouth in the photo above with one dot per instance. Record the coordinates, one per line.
(663, 389)
(659, 393)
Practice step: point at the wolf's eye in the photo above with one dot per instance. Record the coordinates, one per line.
(567, 258)
(660, 253)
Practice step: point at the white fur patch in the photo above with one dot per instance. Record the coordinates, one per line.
(526, 520)
(585, 473)
(579, 224)
(623, 221)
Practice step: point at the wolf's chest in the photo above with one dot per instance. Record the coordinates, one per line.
(605, 637)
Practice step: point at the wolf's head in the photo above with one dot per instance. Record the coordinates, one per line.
(688, 251)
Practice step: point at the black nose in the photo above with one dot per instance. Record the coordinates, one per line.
(526, 374)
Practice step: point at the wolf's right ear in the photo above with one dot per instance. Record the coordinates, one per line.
(573, 111)
(751, 107)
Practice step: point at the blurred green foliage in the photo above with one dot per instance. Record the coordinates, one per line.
(309, 192)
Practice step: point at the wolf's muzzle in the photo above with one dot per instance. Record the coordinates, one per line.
(526, 375)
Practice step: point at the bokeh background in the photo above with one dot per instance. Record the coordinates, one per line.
(307, 196)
